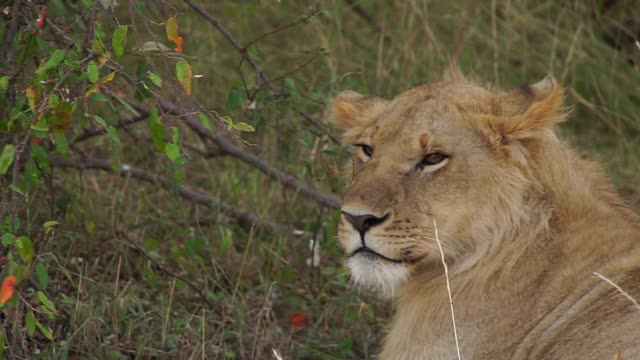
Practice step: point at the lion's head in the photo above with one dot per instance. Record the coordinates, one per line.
(452, 153)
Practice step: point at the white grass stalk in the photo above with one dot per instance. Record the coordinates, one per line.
(275, 353)
(626, 294)
(446, 274)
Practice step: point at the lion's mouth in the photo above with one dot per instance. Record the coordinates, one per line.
(367, 252)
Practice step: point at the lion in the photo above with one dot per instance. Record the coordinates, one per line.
(543, 256)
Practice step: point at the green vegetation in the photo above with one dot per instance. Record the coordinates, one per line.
(138, 147)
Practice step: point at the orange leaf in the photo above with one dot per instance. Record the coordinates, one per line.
(299, 321)
(172, 33)
(178, 42)
(6, 291)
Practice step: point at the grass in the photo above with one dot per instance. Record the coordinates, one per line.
(115, 303)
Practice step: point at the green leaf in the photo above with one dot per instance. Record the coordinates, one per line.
(54, 60)
(45, 301)
(30, 321)
(40, 125)
(116, 164)
(113, 134)
(99, 120)
(235, 99)
(4, 83)
(158, 130)
(41, 157)
(243, 126)
(12, 223)
(7, 239)
(92, 72)
(62, 145)
(16, 189)
(204, 120)
(6, 158)
(155, 79)
(176, 135)
(31, 172)
(127, 106)
(25, 249)
(46, 332)
(53, 100)
(253, 53)
(43, 276)
(171, 27)
(184, 74)
(290, 84)
(49, 224)
(119, 39)
(172, 151)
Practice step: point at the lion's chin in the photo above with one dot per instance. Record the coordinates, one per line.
(378, 275)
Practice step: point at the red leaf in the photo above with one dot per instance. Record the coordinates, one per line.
(6, 291)
(42, 17)
(299, 321)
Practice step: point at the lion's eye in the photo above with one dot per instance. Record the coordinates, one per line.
(366, 149)
(431, 159)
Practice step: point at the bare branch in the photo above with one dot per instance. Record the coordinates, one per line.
(244, 219)
(363, 14)
(229, 148)
(247, 157)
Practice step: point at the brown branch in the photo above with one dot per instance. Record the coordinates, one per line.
(244, 219)
(229, 148)
(363, 14)
(260, 73)
(241, 49)
(233, 150)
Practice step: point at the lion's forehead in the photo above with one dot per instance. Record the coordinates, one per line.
(405, 123)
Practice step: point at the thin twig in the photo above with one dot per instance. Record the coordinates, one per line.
(91, 132)
(446, 274)
(155, 262)
(260, 73)
(277, 30)
(620, 290)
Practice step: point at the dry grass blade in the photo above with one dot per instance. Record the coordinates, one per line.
(446, 274)
(620, 290)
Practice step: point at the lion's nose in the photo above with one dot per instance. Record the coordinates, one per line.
(363, 223)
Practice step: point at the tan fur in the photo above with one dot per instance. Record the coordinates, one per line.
(524, 224)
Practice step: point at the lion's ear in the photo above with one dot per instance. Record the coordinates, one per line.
(355, 112)
(529, 111)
